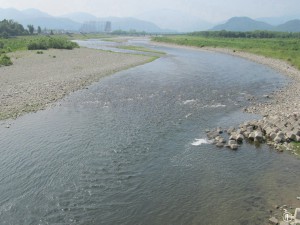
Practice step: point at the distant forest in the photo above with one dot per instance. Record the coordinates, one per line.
(248, 34)
(11, 28)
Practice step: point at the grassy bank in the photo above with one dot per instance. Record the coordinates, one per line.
(287, 49)
(296, 147)
(31, 43)
(140, 48)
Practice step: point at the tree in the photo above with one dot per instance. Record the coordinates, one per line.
(11, 28)
(30, 28)
(39, 30)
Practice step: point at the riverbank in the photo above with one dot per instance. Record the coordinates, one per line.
(283, 101)
(36, 80)
(280, 111)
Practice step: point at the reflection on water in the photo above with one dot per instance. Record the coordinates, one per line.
(129, 150)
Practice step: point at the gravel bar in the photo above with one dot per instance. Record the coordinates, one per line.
(36, 80)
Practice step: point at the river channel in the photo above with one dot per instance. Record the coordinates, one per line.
(131, 149)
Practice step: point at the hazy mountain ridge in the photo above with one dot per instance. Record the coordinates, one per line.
(165, 18)
(74, 21)
(175, 20)
(290, 26)
(118, 23)
(38, 18)
(248, 24)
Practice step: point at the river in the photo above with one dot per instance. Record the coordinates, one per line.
(126, 150)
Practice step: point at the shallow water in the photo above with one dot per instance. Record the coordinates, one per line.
(127, 150)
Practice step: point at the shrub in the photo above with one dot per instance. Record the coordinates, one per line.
(8, 49)
(61, 43)
(5, 60)
(38, 44)
(49, 42)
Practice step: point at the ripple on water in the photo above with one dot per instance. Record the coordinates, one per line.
(122, 152)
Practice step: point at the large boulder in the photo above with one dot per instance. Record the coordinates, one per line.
(232, 136)
(212, 135)
(251, 136)
(291, 136)
(258, 136)
(277, 139)
(250, 129)
(234, 146)
(220, 145)
(272, 135)
(240, 138)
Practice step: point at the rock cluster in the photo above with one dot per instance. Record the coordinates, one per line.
(217, 137)
(273, 130)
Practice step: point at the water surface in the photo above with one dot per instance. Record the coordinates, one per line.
(121, 151)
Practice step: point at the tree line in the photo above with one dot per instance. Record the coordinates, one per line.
(10, 28)
(248, 34)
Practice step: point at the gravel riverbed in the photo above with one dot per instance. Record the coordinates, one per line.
(36, 80)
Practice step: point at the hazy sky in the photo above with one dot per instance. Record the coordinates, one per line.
(209, 10)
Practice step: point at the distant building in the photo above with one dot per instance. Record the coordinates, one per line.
(107, 27)
(96, 27)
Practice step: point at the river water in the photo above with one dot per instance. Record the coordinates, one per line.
(131, 149)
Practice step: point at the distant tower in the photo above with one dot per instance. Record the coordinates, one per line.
(107, 28)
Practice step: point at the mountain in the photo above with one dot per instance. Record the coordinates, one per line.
(52, 23)
(34, 13)
(80, 17)
(132, 24)
(11, 13)
(38, 18)
(175, 20)
(290, 26)
(248, 24)
(243, 24)
(275, 21)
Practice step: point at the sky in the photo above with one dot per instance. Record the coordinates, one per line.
(207, 10)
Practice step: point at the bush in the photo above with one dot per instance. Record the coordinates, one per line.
(49, 42)
(5, 60)
(61, 43)
(38, 44)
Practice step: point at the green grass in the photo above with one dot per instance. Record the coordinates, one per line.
(24, 42)
(5, 60)
(139, 48)
(83, 36)
(112, 39)
(296, 147)
(32, 43)
(287, 49)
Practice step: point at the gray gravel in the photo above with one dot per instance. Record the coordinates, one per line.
(36, 80)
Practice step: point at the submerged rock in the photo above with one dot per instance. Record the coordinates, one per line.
(234, 146)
